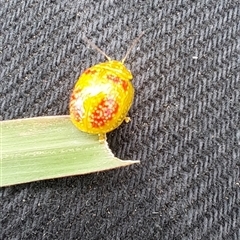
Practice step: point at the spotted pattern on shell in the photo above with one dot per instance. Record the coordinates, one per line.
(104, 112)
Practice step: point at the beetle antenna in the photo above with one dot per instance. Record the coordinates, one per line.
(97, 48)
(133, 45)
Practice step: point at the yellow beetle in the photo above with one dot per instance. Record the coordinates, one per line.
(102, 96)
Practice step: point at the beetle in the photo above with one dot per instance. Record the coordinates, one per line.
(102, 96)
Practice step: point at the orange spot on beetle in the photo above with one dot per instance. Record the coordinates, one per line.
(118, 80)
(76, 105)
(124, 85)
(104, 112)
(89, 71)
(74, 94)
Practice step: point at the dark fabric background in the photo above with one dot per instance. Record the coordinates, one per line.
(185, 117)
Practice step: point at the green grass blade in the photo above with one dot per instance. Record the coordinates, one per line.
(50, 147)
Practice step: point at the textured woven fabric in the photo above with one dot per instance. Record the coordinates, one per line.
(185, 118)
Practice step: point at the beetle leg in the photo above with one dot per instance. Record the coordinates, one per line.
(102, 137)
(127, 119)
